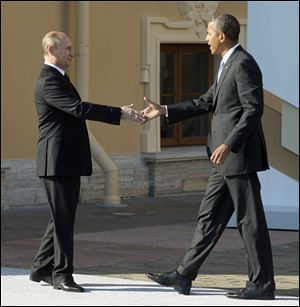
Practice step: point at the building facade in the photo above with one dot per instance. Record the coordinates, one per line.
(118, 60)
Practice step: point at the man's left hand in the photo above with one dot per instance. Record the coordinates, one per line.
(220, 154)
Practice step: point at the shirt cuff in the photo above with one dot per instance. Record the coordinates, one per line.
(166, 108)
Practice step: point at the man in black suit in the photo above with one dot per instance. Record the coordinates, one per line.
(63, 155)
(237, 151)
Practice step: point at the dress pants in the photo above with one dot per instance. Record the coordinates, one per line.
(224, 195)
(55, 255)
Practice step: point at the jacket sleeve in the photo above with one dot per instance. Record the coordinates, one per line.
(250, 91)
(191, 108)
(60, 95)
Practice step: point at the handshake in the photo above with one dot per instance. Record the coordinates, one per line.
(151, 111)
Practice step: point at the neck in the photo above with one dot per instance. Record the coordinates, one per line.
(53, 61)
(227, 48)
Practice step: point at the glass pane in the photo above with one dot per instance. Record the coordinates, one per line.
(195, 127)
(194, 72)
(166, 130)
(167, 66)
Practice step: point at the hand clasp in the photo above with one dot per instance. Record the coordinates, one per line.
(129, 113)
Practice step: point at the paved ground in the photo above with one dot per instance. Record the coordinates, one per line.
(112, 291)
(147, 235)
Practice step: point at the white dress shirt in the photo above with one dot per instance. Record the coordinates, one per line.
(225, 59)
(56, 67)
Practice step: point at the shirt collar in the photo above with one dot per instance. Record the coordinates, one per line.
(229, 53)
(56, 67)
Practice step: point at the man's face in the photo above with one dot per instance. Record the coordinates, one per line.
(63, 53)
(214, 39)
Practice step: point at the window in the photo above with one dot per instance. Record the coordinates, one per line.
(185, 73)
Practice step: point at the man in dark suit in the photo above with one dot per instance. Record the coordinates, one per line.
(237, 151)
(63, 155)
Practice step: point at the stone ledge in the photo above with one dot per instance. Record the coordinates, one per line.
(174, 171)
(177, 171)
(174, 154)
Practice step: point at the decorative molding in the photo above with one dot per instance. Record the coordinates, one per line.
(154, 32)
(199, 12)
(145, 72)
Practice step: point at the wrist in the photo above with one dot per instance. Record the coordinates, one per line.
(124, 114)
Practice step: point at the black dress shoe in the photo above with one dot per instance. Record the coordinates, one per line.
(251, 294)
(70, 286)
(36, 278)
(173, 279)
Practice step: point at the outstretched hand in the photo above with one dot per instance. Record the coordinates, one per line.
(128, 113)
(153, 110)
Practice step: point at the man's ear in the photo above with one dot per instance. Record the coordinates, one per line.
(51, 50)
(222, 37)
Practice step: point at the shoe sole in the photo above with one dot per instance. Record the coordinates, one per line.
(39, 280)
(183, 291)
(178, 289)
(68, 290)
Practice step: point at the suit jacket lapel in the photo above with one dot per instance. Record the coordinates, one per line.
(222, 77)
(64, 78)
(223, 74)
(73, 87)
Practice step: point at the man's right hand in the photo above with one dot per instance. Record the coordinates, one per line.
(128, 113)
(153, 110)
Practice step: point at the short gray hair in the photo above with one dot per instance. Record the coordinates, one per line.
(51, 39)
(227, 24)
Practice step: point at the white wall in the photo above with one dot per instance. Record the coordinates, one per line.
(280, 196)
(273, 40)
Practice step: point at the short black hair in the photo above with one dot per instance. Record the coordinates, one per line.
(227, 24)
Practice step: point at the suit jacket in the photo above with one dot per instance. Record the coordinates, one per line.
(63, 147)
(236, 103)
